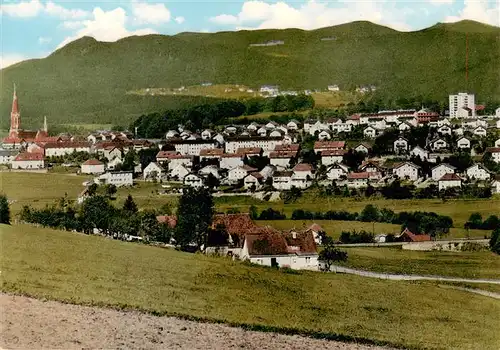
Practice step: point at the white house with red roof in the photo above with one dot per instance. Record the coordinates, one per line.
(448, 181)
(302, 176)
(357, 180)
(230, 160)
(65, 148)
(282, 180)
(253, 180)
(211, 153)
(332, 156)
(92, 166)
(320, 146)
(440, 170)
(239, 173)
(29, 161)
(281, 159)
(337, 171)
(406, 170)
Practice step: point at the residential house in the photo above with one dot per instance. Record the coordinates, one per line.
(210, 170)
(207, 134)
(370, 166)
(444, 121)
(250, 151)
(153, 171)
(266, 143)
(448, 181)
(178, 171)
(478, 172)
(495, 153)
(276, 133)
(418, 151)
(236, 174)
(282, 159)
(28, 161)
(92, 166)
(164, 156)
(267, 172)
(438, 144)
(293, 125)
(324, 135)
(337, 171)
(211, 153)
(404, 126)
(332, 156)
(282, 180)
(444, 130)
(302, 175)
(406, 170)
(117, 178)
(458, 131)
(440, 170)
(362, 147)
(65, 148)
(231, 160)
(357, 180)
(193, 180)
(479, 131)
(171, 134)
(261, 132)
(370, 132)
(495, 184)
(253, 181)
(400, 145)
(219, 138)
(497, 143)
(463, 143)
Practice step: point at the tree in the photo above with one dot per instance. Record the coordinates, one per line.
(4, 210)
(194, 214)
(129, 206)
(254, 214)
(110, 190)
(475, 221)
(331, 254)
(370, 214)
(96, 212)
(495, 241)
(92, 189)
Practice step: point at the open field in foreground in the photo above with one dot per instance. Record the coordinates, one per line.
(93, 270)
(395, 260)
(35, 324)
(335, 227)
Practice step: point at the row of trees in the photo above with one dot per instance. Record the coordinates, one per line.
(418, 222)
(155, 125)
(476, 222)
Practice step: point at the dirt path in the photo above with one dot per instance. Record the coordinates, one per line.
(27, 323)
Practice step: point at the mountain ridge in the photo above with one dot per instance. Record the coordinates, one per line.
(87, 80)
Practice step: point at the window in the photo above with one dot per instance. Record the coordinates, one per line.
(308, 260)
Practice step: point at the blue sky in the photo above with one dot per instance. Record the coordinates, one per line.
(35, 28)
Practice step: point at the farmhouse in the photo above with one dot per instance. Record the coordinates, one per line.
(295, 250)
(440, 170)
(357, 180)
(92, 166)
(29, 161)
(449, 180)
(406, 170)
(478, 172)
(408, 236)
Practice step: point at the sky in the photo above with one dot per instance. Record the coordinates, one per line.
(35, 28)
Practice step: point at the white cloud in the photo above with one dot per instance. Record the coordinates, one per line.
(106, 26)
(72, 25)
(179, 19)
(441, 2)
(44, 40)
(63, 13)
(33, 8)
(22, 9)
(312, 15)
(10, 59)
(145, 13)
(478, 10)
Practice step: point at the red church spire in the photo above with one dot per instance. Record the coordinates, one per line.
(15, 116)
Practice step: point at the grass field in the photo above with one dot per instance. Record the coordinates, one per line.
(104, 272)
(335, 227)
(395, 260)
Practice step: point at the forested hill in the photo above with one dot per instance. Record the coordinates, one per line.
(87, 80)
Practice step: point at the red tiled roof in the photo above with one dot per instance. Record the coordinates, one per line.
(493, 149)
(355, 176)
(329, 144)
(171, 220)
(273, 242)
(303, 167)
(231, 155)
(92, 162)
(450, 177)
(283, 173)
(257, 175)
(315, 227)
(332, 152)
(29, 157)
(211, 152)
(66, 144)
(283, 154)
(248, 168)
(413, 237)
(166, 154)
(287, 147)
(249, 150)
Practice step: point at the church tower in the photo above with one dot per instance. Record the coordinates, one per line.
(45, 127)
(15, 116)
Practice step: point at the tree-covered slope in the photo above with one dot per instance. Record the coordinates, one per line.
(87, 80)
